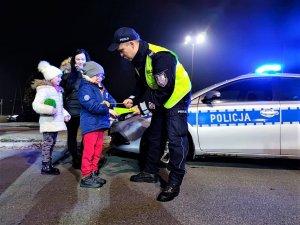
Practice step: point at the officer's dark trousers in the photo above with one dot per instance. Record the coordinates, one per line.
(169, 124)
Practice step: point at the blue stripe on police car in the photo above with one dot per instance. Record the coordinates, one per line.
(290, 115)
(233, 117)
(243, 117)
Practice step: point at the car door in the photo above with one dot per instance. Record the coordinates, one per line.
(289, 89)
(244, 120)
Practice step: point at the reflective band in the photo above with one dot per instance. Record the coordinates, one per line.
(144, 108)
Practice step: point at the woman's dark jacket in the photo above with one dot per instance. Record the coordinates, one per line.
(70, 83)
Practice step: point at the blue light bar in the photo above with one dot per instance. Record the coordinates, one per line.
(268, 68)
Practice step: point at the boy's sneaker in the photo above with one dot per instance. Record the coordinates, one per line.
(97, 178)
(90, 182)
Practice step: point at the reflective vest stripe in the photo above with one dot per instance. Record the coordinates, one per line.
(182, 80)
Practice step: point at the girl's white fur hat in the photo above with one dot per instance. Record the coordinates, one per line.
(48, 71)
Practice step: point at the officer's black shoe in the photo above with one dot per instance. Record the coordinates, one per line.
(48, 169)
(169, 193)
(144, 177)
(90, 182)
(95, 174)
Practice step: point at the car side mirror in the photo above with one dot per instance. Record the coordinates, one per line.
(211, 96)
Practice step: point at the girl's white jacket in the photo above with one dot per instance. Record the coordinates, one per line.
(48, 121)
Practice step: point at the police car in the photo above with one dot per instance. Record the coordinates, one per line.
(254, 115)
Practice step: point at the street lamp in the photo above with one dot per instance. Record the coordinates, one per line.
(199, 39)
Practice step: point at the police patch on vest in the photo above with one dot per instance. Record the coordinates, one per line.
(161, 79)
(86, 97)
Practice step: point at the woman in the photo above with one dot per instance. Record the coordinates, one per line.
(70, 83)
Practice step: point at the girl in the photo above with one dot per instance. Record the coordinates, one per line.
(48, 103)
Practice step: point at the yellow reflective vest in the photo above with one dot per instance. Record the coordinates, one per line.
(182, 80)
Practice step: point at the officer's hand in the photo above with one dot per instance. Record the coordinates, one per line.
(128, 103)
(106, 103)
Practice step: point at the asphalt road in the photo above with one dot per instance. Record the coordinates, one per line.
(215, 191)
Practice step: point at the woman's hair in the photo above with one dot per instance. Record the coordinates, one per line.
(77, 52)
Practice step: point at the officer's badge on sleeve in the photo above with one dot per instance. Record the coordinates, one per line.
(86, 97)
(161, 79)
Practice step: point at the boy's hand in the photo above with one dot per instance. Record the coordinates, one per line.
(113, 113)
(106, 103)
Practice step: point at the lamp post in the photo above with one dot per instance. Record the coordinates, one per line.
(199, 39)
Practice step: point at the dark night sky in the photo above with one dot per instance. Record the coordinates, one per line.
(241, 35)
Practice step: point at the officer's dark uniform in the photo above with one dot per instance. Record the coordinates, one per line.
(166, 123)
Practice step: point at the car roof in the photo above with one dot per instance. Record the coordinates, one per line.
(250, 75)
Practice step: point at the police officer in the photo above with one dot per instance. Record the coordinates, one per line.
(163, 88)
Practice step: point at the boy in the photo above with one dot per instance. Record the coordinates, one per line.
(94, 120)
